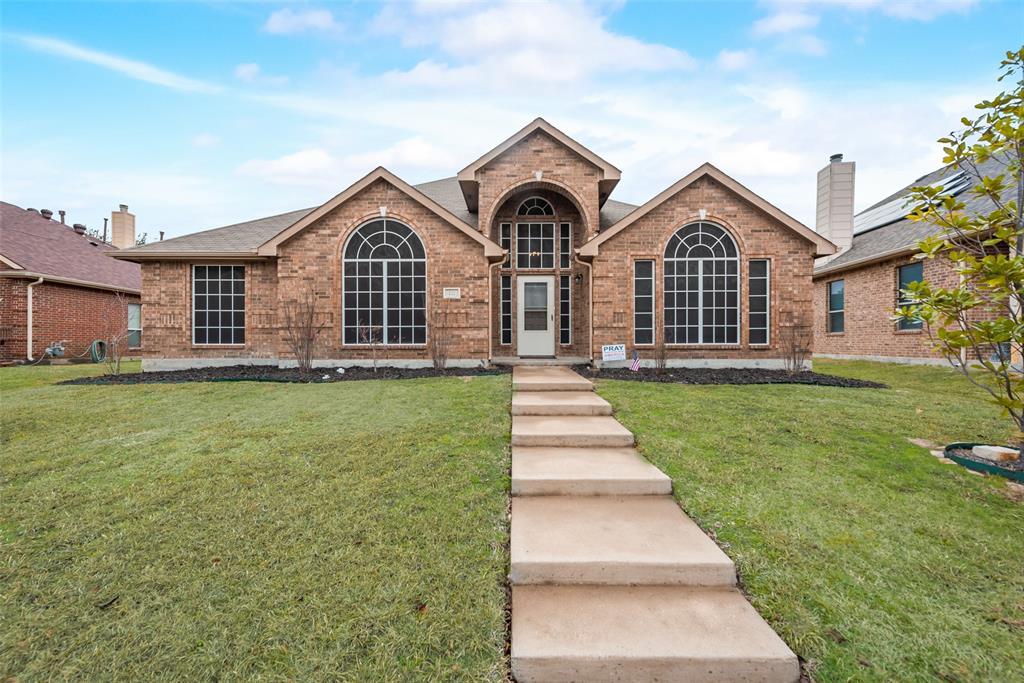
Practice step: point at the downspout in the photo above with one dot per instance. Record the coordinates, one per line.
(28, 301)
(590, 297)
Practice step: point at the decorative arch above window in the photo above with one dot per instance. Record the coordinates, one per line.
(701, 286)
(384, 296)
(535, 206)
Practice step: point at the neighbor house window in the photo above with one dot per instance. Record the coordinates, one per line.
(385, 285)
(506, 243)
(565, 311)
(535, 245)
(535, 206)
(134, 326)
(912, 272)
(702, 286)
(759, 301)
(836, 306)
(643, 302)
(506, 309)
(218, 304)
(564, 244)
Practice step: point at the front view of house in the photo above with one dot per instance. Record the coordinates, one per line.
(521, 255)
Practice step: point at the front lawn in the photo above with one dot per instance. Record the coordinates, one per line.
(872, 559)
(353, 531)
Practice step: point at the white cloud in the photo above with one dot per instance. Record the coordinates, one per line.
(205, 141)
(306, 167)
(140, 71)
(251, 72)
(785, 21)
(288, 21)
(805, 44)
(734, 60)
(525, 45)
(918, 10)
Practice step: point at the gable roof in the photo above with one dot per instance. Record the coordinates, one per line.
(903, 236)
(823, 246)
(269, 248)
(33, 246)
(467, 176)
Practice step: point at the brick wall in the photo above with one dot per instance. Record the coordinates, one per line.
(76, 316)
(871, 293)
(757, 235)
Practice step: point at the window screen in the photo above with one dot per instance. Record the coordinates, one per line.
(218, 304)
(134, 326)
(759, 301)
(912, 272)
(836, 306)
(701, 286)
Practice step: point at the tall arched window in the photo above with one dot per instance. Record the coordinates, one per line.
(385, 285)
(702, 302)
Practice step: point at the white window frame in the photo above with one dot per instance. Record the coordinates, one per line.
(653, 296)
(245, 304)
(505, 285)
(566, 313)
(701, 260)
(830, 310)
(134, 329)
(505, 237)
(554, 242)
(768, 301)
(565, 245)
(534, 215)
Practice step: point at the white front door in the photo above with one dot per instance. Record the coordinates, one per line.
(536, 319)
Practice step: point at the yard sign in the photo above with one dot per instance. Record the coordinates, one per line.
(611, 352)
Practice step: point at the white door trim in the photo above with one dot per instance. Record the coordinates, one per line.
(535, 342)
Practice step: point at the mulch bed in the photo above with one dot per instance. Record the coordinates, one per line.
(726, 376)
(269, 373)
(1011, 466)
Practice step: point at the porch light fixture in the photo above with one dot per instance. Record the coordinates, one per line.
(578, 278)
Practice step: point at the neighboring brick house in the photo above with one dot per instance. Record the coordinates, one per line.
(857, 291)
(521, 255)
(58, 284)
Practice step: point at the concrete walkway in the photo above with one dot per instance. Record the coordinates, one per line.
(611, 581)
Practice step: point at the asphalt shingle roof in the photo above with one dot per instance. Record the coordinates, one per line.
(905, 234)
(248, 235)
(48, 247)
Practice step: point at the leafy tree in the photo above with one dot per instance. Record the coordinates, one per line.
(978, 322)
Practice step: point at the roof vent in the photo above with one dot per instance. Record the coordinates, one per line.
(46, 213)
(835, 158)
(79, 228)
(62, 212)
(31, 209)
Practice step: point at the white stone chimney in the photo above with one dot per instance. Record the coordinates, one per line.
(122, 228)
(835, 202)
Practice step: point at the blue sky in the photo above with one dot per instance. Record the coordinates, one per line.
(201, 114)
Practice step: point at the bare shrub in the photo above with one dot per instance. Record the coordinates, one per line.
(370, 335)
(301, 328)
(115, 333)
(660, 353)
(795, 340)
(440, 340)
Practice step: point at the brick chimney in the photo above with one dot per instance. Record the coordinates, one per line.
(835, 202)
(122, 228)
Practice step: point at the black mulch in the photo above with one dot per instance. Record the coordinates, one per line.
(1012, 466)
(264, 373)
(726, 376)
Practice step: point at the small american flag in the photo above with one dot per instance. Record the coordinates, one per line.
(635, 365)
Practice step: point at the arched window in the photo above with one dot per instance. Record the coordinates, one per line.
(385, 285)
(535, 206)
(702, 302)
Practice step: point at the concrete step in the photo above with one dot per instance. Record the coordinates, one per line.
(548, 378)
(548, 471)
(574, 431)
(559, 403)
(612, 540)
(669, 634)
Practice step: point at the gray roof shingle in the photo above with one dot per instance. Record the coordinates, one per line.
(905, 234)
(247, 236)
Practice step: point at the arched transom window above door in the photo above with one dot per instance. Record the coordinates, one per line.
(384, 288)
(535, 206)
(701, 286)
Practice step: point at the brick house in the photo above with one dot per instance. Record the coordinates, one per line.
(857, 291)
(58, 284)
(522, 254)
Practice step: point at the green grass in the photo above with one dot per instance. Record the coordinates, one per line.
(352, 531)
(871, 558)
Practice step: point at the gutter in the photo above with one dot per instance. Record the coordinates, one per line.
(490, 308)
(28, 303)
(884, 256)
(193, 256)
(67, 281)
